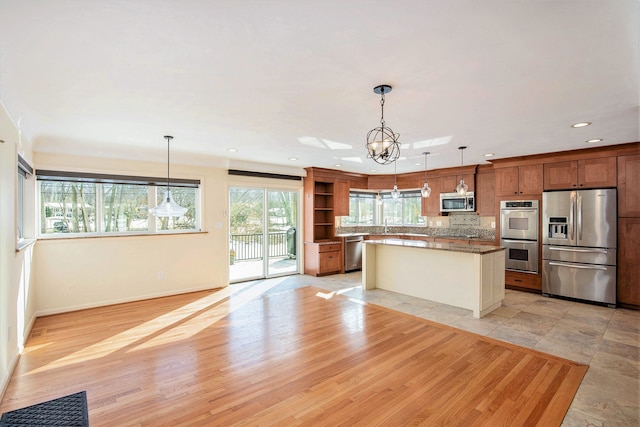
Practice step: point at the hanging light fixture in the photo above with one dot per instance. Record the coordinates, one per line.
(425, 190)
(395, 193)
(382, 143)
(168, 207)
(379, 199)
(462, 188)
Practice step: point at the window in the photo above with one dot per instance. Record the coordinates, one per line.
(108, 204)
(362, 209)
(405, 210)
(24, 171)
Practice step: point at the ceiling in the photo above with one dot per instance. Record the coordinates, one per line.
(281, 79)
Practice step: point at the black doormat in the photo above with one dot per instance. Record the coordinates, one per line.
(67, 411)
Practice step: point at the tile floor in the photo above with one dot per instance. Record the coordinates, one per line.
(606, 339)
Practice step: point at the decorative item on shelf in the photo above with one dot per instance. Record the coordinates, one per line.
(395, 193)
(168, 208)
(462, 188)
(382, 143)
(425, 190)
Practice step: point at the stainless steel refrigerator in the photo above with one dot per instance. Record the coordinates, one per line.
(579, 237)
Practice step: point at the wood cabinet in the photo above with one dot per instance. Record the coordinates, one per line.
(341, 198)
(319, 221)
(584, 173)
(525, 281)
(322, 258)
(629, 262)
(519, 180)
(485, 194)
(629, 186)
(431, 205)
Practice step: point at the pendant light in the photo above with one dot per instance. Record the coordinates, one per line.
(462, 188)
(425, 190)
(382, 143)
(395, 193)
(379, 199)
(168, 207)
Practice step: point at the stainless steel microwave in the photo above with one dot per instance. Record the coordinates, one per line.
(454, 202)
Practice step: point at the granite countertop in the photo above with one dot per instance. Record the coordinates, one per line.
(467, 237)
(453, 247)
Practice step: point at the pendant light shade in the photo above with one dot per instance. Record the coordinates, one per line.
(462, 188)
(168, 207)
(395, 193)
(382, 143)
(425, 190)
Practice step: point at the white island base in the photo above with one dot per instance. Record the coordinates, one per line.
(466, 276)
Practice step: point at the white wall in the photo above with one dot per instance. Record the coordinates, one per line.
(75, 273)
(16, 278)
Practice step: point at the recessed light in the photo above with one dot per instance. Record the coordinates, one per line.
(231, 150)
(293, 159)
(594, 140)
(338, 165)
(489, 154)
(418, 164)
(373, 170)
(580, 125)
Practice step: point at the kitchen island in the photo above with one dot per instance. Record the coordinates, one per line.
(462, 275)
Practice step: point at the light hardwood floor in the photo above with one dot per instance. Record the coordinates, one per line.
(259, 355)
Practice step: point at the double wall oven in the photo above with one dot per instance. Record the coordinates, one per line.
(519, 234)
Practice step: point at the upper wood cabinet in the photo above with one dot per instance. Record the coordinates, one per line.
(341, 198)
(629, 186)
(485, 194)
(431, 204)
(519, 180)
(587, 173)
(450, 182)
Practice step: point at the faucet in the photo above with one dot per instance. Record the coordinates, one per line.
(386, 227)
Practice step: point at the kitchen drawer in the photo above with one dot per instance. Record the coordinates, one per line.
(330, 248)
(523, 280)
(330, 262)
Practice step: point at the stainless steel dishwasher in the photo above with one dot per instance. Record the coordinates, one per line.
(353, 253)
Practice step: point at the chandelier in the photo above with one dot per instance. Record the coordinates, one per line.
(382, 143)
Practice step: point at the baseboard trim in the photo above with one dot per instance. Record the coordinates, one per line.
(5, 381)
(42, 313)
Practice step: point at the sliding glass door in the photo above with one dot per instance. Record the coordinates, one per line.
(263, 231)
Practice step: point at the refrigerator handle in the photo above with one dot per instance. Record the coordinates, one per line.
(580, 266)
(571, 215)
(579, 217)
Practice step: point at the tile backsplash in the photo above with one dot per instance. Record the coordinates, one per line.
(454, 225)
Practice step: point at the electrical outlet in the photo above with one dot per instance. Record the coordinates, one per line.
(493, 224)
(439, 223)
(218, 224)
(160, 275)
(430, 223)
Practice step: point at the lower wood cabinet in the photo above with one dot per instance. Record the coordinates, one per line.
(629, 262)
(515, 279)
(322, 258)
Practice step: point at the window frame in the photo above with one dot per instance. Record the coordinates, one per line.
(404, 195)
(24, 172)
(99, 180)
(362, 195)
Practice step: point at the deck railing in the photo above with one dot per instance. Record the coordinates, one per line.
(250, 246)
